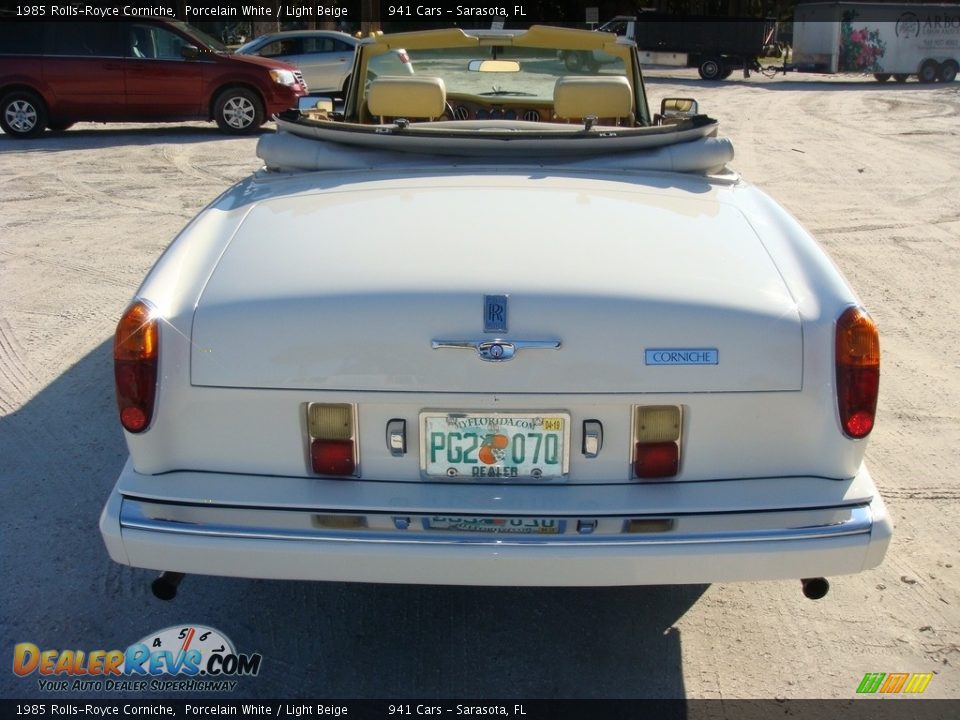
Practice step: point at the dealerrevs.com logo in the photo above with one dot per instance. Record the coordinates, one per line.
(188, 658)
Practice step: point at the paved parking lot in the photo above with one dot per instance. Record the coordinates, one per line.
(871, 170)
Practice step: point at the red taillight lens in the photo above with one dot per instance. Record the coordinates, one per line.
(656, 460)
(858, 371)
(135, 353)
(332, 457)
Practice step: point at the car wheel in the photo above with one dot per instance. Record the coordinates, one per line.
(572, 61)
(238, 111)
(929, 71)
(711, 69)
(900, 77)
(23, 114)
(948, 71)
(881, 77)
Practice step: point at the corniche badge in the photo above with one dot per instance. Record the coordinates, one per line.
(495, 313)
(682, 356)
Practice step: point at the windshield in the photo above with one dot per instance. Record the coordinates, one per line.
(527, 72)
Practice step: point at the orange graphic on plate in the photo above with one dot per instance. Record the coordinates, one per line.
(493, 449)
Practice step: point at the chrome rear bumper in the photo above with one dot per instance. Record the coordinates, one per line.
(564, 548)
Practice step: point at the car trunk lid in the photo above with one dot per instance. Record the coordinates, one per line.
(643, 289)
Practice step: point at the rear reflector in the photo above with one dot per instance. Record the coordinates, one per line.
(332, 457)
(858, 371)
(135, 354)
(332, 431)
(656, 460)
(657, 441)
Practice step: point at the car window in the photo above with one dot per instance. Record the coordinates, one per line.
(21, 38)
(155, 43)
(277, 48)
(318, 45)
(341, 46)
(84, 39)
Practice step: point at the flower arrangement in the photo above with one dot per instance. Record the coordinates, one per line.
(860, 49)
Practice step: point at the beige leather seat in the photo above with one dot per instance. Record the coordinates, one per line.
(413, 98)
(608, 97)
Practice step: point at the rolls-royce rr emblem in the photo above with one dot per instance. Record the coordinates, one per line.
(495, 313)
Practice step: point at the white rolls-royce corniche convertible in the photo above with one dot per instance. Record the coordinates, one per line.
(496, 324)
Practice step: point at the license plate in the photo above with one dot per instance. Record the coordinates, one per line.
(506, 525)
(495, 446)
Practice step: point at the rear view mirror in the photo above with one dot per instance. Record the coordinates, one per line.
(189, 52)
(493, 66)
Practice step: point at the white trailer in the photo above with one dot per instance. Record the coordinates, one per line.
(888, 40)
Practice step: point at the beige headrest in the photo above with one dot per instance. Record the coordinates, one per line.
(407, 97)
(604, 97)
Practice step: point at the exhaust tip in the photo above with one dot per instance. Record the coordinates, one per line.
(815, 588)
(165, 585)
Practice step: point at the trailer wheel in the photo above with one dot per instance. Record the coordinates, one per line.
(900, 77)
(948, 71)
(881, 77)
(929, 71)
(711, 68)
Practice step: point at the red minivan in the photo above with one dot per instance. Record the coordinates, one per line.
(153, 70)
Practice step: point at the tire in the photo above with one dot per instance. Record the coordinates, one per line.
(573, 61)
(23, 114)
(948, 71)
(727, 72)
(900, 77)
(881, 77)
(238, 111)
(711, 68)
(929, 71)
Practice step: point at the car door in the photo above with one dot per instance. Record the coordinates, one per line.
(162, 84)
(83, 70)
(329, 61)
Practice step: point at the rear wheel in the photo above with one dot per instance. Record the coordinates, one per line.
(948, 71)
(711, 68)
(23, 114)
(881, 77)
(574, 61)
(929, 71)
(900, 77)
(238, 111)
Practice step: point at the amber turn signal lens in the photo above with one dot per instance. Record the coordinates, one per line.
(658, 423)
(135, 355)
(858, 371)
